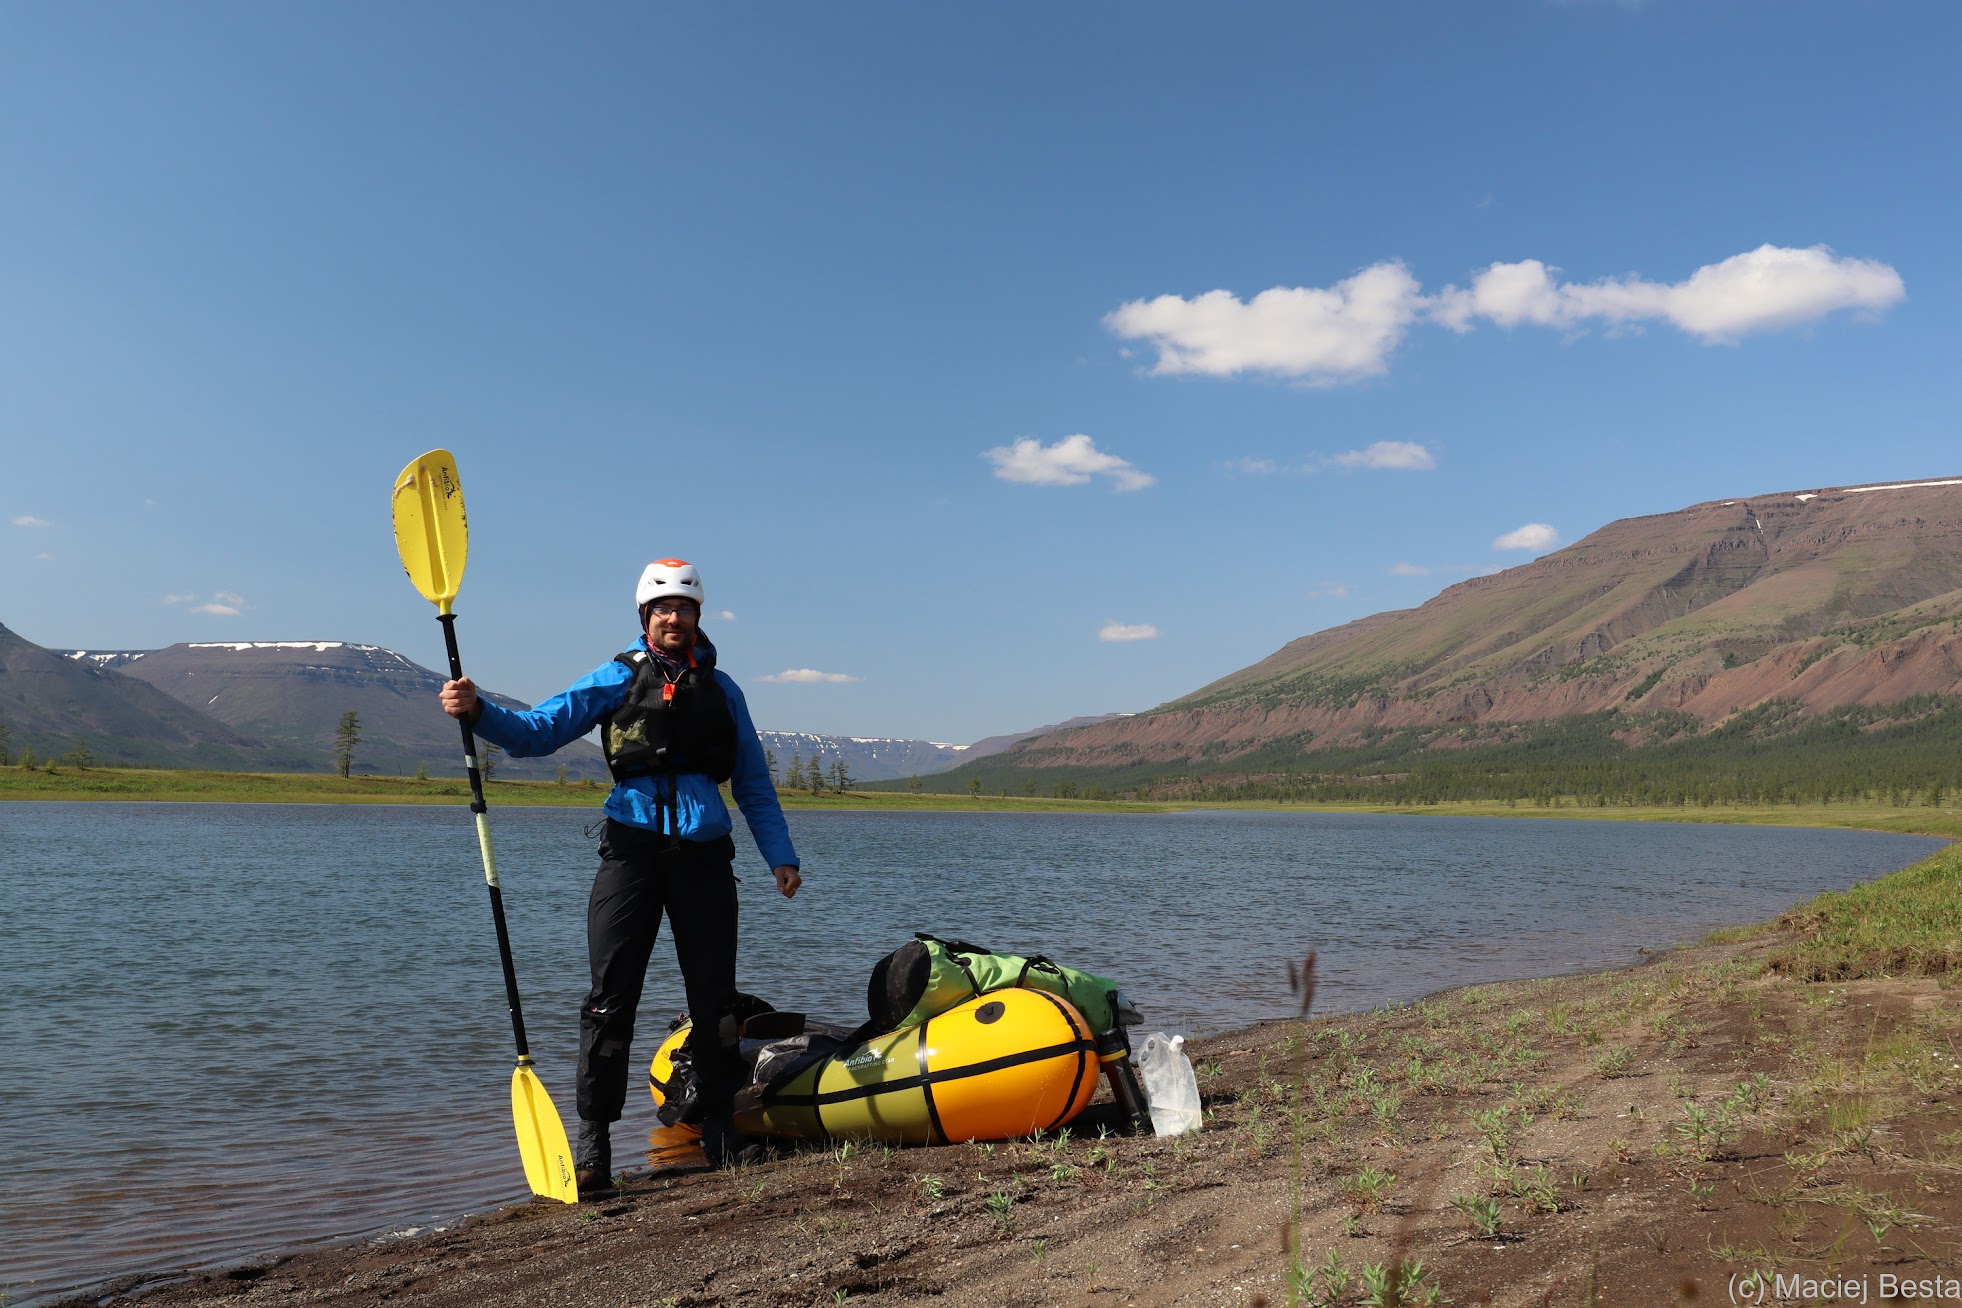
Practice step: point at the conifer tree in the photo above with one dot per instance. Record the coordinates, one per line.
(346, 736)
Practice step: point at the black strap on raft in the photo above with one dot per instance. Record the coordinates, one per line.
(935, 1131)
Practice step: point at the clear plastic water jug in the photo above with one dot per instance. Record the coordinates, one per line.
(1170, 1088)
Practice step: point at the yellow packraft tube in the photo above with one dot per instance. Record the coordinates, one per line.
(1004, 1064)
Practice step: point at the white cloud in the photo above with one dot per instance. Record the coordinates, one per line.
(44, 557)
(1071, 461)
(808, 676)
(1409, 570)
(1346, 332)
(1536, 536)
(1329, 590)
(725, 616)
(224, 603)
(1118, 631)
(1762, 290)
(1403, 455)
(1251, 467)
(29, 520)
(1322, 334)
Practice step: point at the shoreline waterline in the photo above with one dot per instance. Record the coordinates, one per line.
(1367, 987)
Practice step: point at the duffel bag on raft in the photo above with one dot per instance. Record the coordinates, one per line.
(928, 976)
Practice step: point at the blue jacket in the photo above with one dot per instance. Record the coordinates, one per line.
(700, 813)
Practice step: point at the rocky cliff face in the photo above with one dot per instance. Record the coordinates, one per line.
(1828, 597)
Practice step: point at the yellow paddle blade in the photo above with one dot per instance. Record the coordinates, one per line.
(541, 1138)
(430, 532)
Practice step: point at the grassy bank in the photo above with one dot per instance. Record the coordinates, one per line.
(174, 786)
(183, 786)
(1864, 815)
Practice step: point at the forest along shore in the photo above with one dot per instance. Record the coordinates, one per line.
(1761, 1114)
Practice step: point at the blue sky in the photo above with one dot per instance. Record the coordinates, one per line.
(994, 363)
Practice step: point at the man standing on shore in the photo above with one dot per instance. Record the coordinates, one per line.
(674, 728)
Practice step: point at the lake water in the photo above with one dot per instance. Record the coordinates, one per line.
(230, 1029)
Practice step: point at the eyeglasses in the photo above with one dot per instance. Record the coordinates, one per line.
(671, 612)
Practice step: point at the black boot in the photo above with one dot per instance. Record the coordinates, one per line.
(592, 1160)
(723, 1145)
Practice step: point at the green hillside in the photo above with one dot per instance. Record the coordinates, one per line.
(1906, 752)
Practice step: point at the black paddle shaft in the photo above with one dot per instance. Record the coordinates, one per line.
(478, 806)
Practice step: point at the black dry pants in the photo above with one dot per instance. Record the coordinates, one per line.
(642, 873)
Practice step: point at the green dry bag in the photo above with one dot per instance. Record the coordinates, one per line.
(928, 976)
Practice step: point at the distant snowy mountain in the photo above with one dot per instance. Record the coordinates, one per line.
(875, 758)
(866, 758)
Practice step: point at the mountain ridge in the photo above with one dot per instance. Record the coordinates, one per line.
(292, 693)
(1827, 596)
(266, 706)
(274, 705)
(48, 702)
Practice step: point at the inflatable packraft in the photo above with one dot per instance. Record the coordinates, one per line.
(1001, 1065)
(1011, 1060)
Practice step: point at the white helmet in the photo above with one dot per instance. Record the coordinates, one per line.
(666, 579)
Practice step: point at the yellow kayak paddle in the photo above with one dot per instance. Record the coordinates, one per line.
(433, 538)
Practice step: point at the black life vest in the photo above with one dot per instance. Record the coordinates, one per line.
(670, 722)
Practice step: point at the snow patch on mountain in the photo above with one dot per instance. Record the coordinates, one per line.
(103, 658)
